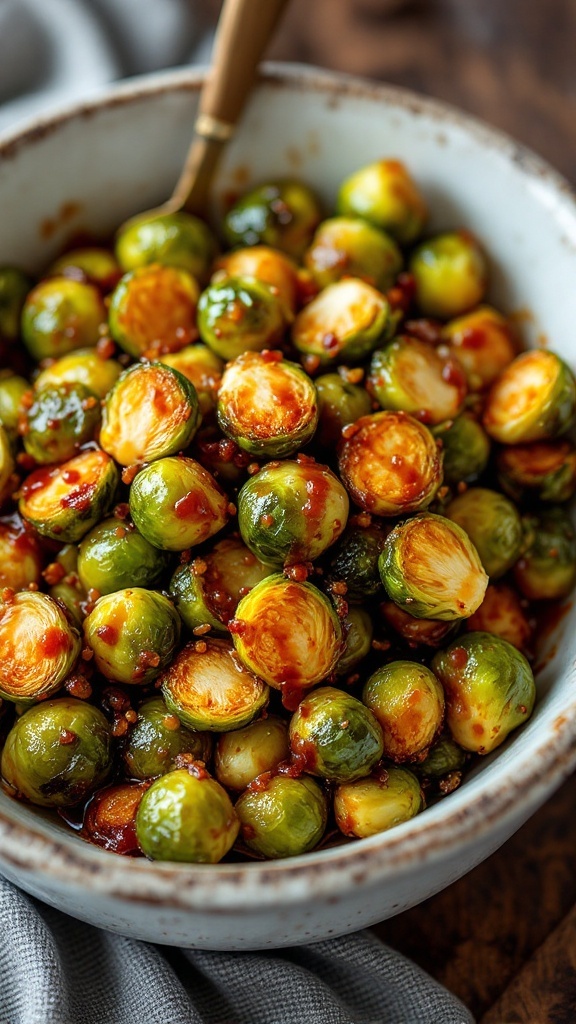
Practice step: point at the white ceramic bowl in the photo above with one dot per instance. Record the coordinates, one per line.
(89, 168)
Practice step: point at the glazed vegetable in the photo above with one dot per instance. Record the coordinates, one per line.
(358, 630)
(484, 344)
(203, 368)
(465, 449)
(502, 614)
(176, 503)
(67, 588)
(38, 646)
(242, 755)
(344, 323)
(14, 287)
(413, 376)
(61, 419)
(429, 632)
(86, 367)
(355, 560)
(339, 402)
(284, 817)
(114, 555)
(66, 501)
(408, 702)
(493, 524)
(153, 310)
(239, 314)
(444, 758)
(368, 806)
(92, 264)
(335, 736)
(350, 247)
(547, 567)
(12, 390)
(271, 267)
(172, 239)
(450, 274)
(110, 817)
(133, 634)
(156, 740)
(542, 470)
(532, 400)
(20, 555)
(283, 214)
(384, 194)
(61, 315)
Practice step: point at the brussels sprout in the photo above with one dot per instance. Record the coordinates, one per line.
(237, 315)
(57, 753)
(176, 503)
(532, 400)
(484, 344)
(267, 405)
(203, 368)
(358, 630)
(547, 568)
(153, 310)
(114, 556)
(489, 690)
(283, 818)
(14, 287)
(413, 376)
(68, 591)
(335, 736)
(384, 194)
(543, 470)
(501, 613)
(156, 740)
(92, 264)
(493, 524)
(347, 246)
(408, 702)
(245, 753)
(430, 568)
(12, 390)
(390, 464)
(283, 214)
(465, 448)
(61, 315)
(60, 420)
(38, 646)
(450, 274)
(430, 632)
(444, 757)
(110, 817)
(8, 480)
(339, 403)
(133, 634)
(355, 560)
(368, 806)
(20, 555)
(291, 511)
(66, 501)
(209, 690)
(288, 633)
(172, 239)
(85, 366)
(186, 817)
(344, 323)
(270, 267)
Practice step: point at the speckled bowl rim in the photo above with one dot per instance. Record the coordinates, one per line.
(445, 827)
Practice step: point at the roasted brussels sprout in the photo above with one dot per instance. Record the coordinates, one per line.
(358, 630)
(450, 274)
(133, 633)
(390, 464)
(465, 448)
(14, 287)
(153, 310)
(239, 314)
(532, 400)
(348, 246)
(68, 590)
(114, 556)
(384, 194)
(60, 420)
(408, 702)
(20, 555)
(65, 501)
(340, 402)
(355, 560)
(501, 613)
(38, 646)
(431, 569)
(484, 344)
(245, 753)
(429, 632)
(156, 740)
(203, 368)
(283, 817)
(8, 480)
(172, 239)
(73, 741)
(270, 267)
(335, 736)
(493, 524)
(291, 511)
(61, 315)
(344, 323)
(368, 806)
(85, 366)
(176, 503)
(547, 567)
(489, 690)
(186, 816)
(283, 214)
(542, 470)
(12, 390)
(412, 376)
(92, 264)
(110, 817)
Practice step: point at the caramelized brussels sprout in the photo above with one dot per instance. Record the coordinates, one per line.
(283, 214)
(543, 470)
(429, 632)
(291, 511)
(368, 806)
(450, 274)
(358, 630)
(156, 740)
(61, 315)
(14, 287)
(501, 613)
(355, 560)
(12, 390)
(348, 246)
(344, 323)
(532, 400)
(335, 736)
(172, 239)
(408, 702)
(384, 194)
(390, 464)
(339, 403)
(186, 817)
(110, 817)
(465, 448)
(92, 264)
(493, 524)
(413, 376)
(176, 503)
(153, 310)
(270, 267)
(114, 556)
(65, 501)
(85, 366)
(547, 569)
(242, 755)
(38, 646)
(74, 740)
(489, 690)
(284, 817)
(133, 634)
(20, 555)
(484, 344)
(8, 479)
(208, 688)
(430, 568)
(443, 758)
(239, 314)
(60, 420)
(203, 368)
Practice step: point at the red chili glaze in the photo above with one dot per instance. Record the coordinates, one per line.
(37, 480)
(292, 694)
(71, 476)
(261, 783)
(108, 634)
(193, 506)
(110, 818)
(80, 498)
(304, 755)
(54, 642)
(459, 658)
(317, 490)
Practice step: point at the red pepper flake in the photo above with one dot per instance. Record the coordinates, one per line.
(89, 403)
(93, 594)
(330, 342)
(121, 511)
(105, 347)
(171, 722)
(87, 654)
(129, 472)
(311, 363)
(78, 686)
(33, 587)
(54, 573)
(227, 450)
(381, 645)
(67, 737)
(253, 468)
(8, 595)
(299, 573)
(120, 727)
(231, 508)
(352, 375)
(201, 630)
(339, 587)
(267, 520)
(350, 430)
(199, 567)
(131, 716)
(200, 647)
(272, 356)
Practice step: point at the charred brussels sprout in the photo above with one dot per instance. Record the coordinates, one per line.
(133, 634)
(20, 555)
(85, 366)
(38, 647)
(186, 817)
(429, 632)
(152, 411)
(390, 464)
(348, 246)
(344, 323)
(61, 315)
(203, 368)
(532, 400)
(484, 344)
(408, 702)
(547, 568)
(339, 402)
(384, 194)
(172, 239)
(283, 818)
(66, 501)
(92, 264)
(335, 736)
(431, 569)
(8, 479)
(290, 512)
(74, 740)
(501, 613)
(465, 449)
(14, 287)
(543, 470)
(357, 627)
(283, 214)
(60, 420)
(208, 589)
(237, 315)
(368, 806)
(489, 690)
(110, 817)
(153, 310)
(114, 556)
(493, 524)
(355, 561)
(156, 740)
(450, 274)
(270, 267)
(412, 376)
(245, 753)
(176, 503)
(12, 390)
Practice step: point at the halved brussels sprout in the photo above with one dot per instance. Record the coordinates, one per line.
(151, 412)
(133, 633)
(431, 569)
(85, 366)
(369, 806)
(384, 194)
(203, 368)
(269, 266)
(450, 274)
(283, 214)
(532, 400)
(501, 613)
(38, 646)
(358, 630)
(20, 555)
(176, 503)
(208, 688)
(60, 420)
(186, 817)
(61, 315)
(12, 390)
(267, 405)
(335, 736)
(8, 480)
(68, 591)
(429, 632)
(350, 247)
(245, 753)
(156, 740)
(172, 239)
(283, 818)
(547, 569)
(288, 633)
(114, 556)
(153, 310)
(339, 403)
(465, 448)
(110, 817)
(544, 470)
(14, 287)
(344, 323)
(413, 376)
(443, 758)
(484, 344)
(355, 560)
(390, 464)
(408, 702)
(493, 524)
(92, 264)
(489, 690)
(239, 314)
(66, 501)
(73, 741)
